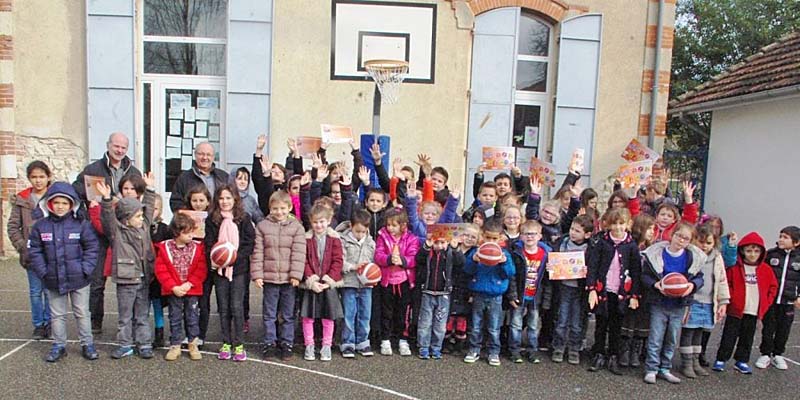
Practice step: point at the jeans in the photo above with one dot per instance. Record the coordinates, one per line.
(184, 317)
(278, 299)
(357, 309)
(134, 314)
(665, 323)
(230, 295)
(40, 310)
(568, 328)
(158, 312)
(80, 307)
(205, 303)
(530, 314)
(738, 332)
(433, 312)
(776, 326)
(489, 308)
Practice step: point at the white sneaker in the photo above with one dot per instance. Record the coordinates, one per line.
(405, 350)
(780, 363)
(763, 362)
(386, 348)
(310, 353)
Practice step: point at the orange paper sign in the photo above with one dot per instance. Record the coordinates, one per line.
(576, 163)
(445, 232)
(308, 145)
(498, 158)
(199, 218)
(336, 134)
(635, 173)
(545, 171)
(636, 151)
(567, 265)
(90, 183)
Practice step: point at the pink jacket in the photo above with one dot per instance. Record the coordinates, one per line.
(408, 245)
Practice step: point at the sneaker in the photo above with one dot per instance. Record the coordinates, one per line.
(224, 352)
(780, 363)
(200, 343)
(97, 327)
(516, 358)
(310, 355)
(173, 353)
(424, 354)
(494, 360)
(386, 348)
(246, 327)
(471, 357)
(185, 343)
(39, 333)
(719, 366)
(146, 353)
(574, 357)
(533, 358)
(194, 350)
(405, 350)
(598, 363)
(366, 352)
(667, 376)
(89, 352)
(268, 351)
(558, 356)
(325, 353)
(743, 368)
(650, 377)
(763, 362)
(436, 354)
(122, 352)
(239, 354)
(348, 353)
(286, 352)
(56, 353)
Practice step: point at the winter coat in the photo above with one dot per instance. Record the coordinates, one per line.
(249, 202)
(189, 179)
(102, 167)
(415, 223)
(767, 283)
(435, 269)
(786, 266)
(598, 261)
(552, 232)
(653, 271)
(691, 213)
(714, 272)
(247, 237)
(329, 269)
(280, 251)
(62, 251)
(20, 223)
(490, 281)
(355, 254)
(408, 245)
(132, 255)
(168, 276)
(516, 286)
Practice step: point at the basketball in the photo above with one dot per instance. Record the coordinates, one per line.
(223, 254)
(490, 254)
(370, 274)
(674, 284)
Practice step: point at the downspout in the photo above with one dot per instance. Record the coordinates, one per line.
(651, 130)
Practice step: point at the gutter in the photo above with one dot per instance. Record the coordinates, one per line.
(651, 129)
(730, 102)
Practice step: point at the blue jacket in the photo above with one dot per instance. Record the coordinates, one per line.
(729, 252)
(516, 288)
(490, 281)
(418, 227)
(63, 250)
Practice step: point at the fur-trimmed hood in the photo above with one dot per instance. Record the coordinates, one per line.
(653, 254)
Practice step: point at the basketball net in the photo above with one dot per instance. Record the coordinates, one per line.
(388, 75)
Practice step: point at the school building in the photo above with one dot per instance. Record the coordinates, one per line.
(543, 76)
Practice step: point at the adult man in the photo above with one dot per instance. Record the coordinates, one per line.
(203, 172)
(113, 166)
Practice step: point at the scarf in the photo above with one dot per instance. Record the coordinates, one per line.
(228, 232)
(296, 207)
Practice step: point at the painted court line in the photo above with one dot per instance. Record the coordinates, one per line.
(791, 361)
(107, 312)
(274, 364)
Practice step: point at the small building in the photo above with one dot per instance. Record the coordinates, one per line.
(754, 150)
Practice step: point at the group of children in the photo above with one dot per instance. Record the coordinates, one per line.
(306, 237)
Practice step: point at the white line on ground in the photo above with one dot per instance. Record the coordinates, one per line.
(791, 361)
(15, 350)
(107, 312)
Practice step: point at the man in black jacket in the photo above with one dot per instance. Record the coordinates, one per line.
(203, 172)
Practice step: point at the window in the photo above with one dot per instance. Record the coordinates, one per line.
(533, 52)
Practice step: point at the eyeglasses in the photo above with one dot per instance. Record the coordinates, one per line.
(530, 234)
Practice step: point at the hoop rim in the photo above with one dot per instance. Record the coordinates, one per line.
(384, 64)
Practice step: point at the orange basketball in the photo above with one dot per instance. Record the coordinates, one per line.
(490, 254)
(674, 284)
(370, 274)
(223, 254)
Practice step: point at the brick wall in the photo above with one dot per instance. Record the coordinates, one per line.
(9, 145)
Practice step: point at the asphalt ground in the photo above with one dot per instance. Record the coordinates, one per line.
(24, 374)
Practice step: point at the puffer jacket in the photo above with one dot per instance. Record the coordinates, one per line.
(131, 248)
(168, 275)
(408, 244)
(20, 223)
(355, 254)
(435, 268)
(280, 251)
(786, 266)
(62, 250)
(653, 271)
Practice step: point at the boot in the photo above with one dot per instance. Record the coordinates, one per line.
(598, 363)
(698, 369)
(158, 338)
(173, 353)
(613, 365)
(687, 368)
(194, 350)
(625, 353)
(636, 352)
(460, 345)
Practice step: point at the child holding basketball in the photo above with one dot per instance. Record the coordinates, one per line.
(667, 308)
(277, 267)
(323, 275)
(395, 252)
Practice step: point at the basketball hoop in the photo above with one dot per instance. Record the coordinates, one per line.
(388, 75)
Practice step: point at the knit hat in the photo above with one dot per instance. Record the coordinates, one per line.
(127, 207)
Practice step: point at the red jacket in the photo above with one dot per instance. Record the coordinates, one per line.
(167, 275)
(767, 284)
(330, 269)
(94, 218)
(691, 213)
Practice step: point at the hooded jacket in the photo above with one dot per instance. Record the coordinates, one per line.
(653, 271)
(62, 250)
(131, 248)
(168, 276)
(786, 266)
(408, 246)
(767, 284)
(598, 261)
(715, 287)
(249, 202)
(435, 269)
(356, 253)
(102, 167)
(189, 179)
(516, 286)
(20, 223)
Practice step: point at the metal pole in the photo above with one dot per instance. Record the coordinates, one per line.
(376, 113)
(651, 129)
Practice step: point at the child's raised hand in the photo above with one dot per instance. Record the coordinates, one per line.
(633, 304)
(536, 185)
(455, 192)
(515, 171)
(482, 168)
(352, 143)
(397, 168)
(322, 172)
(375, 151)
(592, 300)
(424, 161)
(316, 161)
(576, 189)
(103, 189)
(266, 167)
(363, 175)
(261, 141)
(149, 180)
(688, 192)
(292, 145)
(346, 179)
(733, 239)
(411, 190)
(306, 178)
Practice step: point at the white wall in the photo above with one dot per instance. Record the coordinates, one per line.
(753, 167)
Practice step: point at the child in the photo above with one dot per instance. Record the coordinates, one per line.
(777, 324)
(375, 203)
(614, 266)
(323, 274)
(486, 196)
(569, 330)
(128, 231)
(198, 198)
(667, 214)
(512, 221)
(395, 252)
(20, 223)
(488, 285)
(708, 306)
(430, 212)
(241, 178)
(636, 323)
(62, 232)
(181, 269)
(359, 250)
(588, 200)
(277, 266)
(753, 288)
(460, 297)
(529, 256)
(435, 264)
(159, 231)
(727, 241)
(227, 222)
(667, 313)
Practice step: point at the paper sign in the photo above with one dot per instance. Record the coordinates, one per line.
(567, 265)
(636, 151)
(213, 116)
(202, 113)
(186, 162)
(307, 145)
(531, 136)
(189, 114)
(90, 184)
(188, 130)
(635, 173)
(201, 129)
(207, 102)
(175, 127)
(545, 171)
(175, 113)
(199, 218)
(180, 100)
(576, 163)
(213, 132)
(173, 141)
(186, 146)
(336, 134)
(445, 232)
(498, 158)
(173, 152)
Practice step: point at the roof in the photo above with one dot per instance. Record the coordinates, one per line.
(773, 71)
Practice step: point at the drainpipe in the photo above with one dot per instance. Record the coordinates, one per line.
(651, 130)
